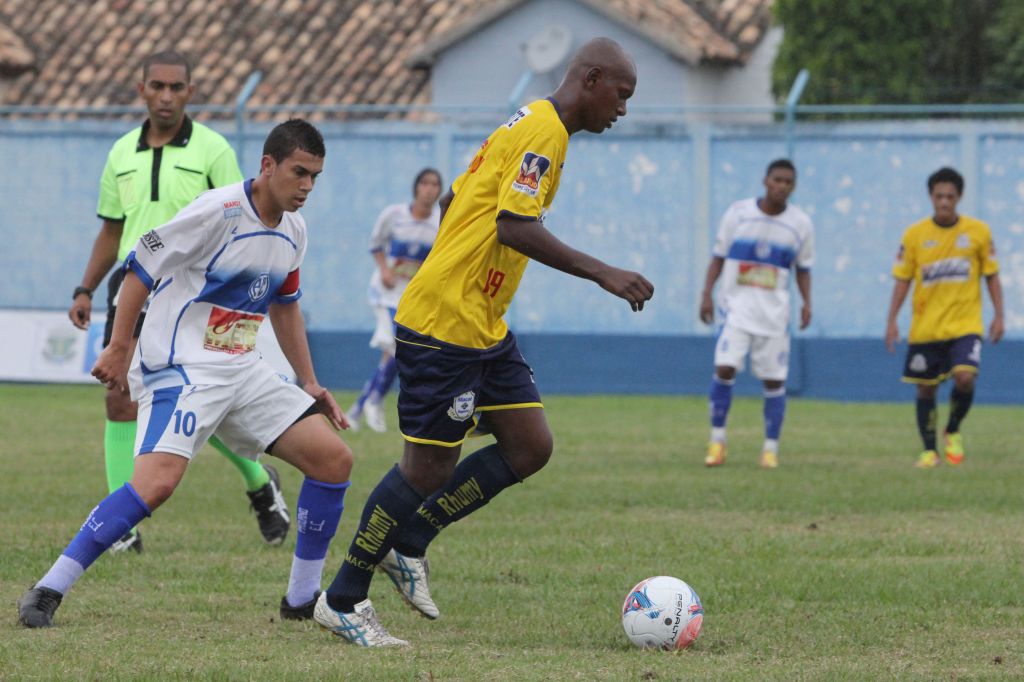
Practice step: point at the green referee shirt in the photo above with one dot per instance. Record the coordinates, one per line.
(146, 187)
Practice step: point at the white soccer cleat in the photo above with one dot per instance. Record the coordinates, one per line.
(374, 415)
(360, 627)
(354, 414)
(409, 576)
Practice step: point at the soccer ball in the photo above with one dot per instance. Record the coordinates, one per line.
(662, 613)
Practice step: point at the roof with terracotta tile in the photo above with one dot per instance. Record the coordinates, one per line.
(82, 53)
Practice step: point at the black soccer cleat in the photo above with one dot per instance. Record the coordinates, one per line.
(271, 511)
(300, 612)
(37, 606)
(130, 541)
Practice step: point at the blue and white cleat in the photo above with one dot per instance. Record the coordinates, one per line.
(409, 576)
(360, 627)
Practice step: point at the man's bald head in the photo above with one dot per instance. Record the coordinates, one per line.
(601, 53)
(598, 81)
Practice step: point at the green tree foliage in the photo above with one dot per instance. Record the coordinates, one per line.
(1004, 79)
(889, 51)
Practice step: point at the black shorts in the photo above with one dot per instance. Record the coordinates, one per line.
(931, 363)
(445, 387)
(113, 286)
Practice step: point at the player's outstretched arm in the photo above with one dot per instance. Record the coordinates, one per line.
(803, 283)
(892, 330)
(290, 329)
(533, 240)
(103, 256)
(995, 292)
(707, 304)
(112, 365)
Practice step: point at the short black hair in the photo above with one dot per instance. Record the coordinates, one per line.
(780, 163)
(419, 176)
(167, 58)
(946, 174)
(294, 134)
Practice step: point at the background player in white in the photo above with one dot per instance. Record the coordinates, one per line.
(400, 241)
(759, 241)
(224, 262)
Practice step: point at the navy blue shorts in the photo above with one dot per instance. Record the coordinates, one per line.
(444, 387)
(931, 363)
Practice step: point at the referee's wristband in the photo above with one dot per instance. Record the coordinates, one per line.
(82, 290)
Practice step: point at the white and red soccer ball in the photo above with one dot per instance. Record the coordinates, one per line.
(662, 613)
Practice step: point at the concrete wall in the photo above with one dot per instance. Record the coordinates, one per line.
(646, 196)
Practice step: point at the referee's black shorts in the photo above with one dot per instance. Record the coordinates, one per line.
(113, 286)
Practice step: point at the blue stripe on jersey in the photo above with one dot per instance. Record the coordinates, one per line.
(130, 263)
(164, 402)
(410, 250)
(762, 252)
(266, 234)
(236, 290)
(163, 286)
(150, 376)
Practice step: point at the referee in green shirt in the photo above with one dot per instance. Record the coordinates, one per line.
(151, 173)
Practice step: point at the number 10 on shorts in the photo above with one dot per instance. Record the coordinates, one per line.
(184, 422)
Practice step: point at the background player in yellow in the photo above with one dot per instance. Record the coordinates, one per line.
(151, 173)
(945, 257)
(457, 358)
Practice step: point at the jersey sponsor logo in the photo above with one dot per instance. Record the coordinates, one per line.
(151, 240)
(462, 406)
(946, 270)
(531, 170)
(230, 331)
(232, 209)
(517, 117)
(758, 275)
(259, 287)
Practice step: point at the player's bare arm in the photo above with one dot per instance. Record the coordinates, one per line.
(290, 329)
(102, 258)
(995, 292)
(445, 201)
(892, 330)
(533, 240)
(387, 275)
(707, 304)
(112, 365)
(803, 283)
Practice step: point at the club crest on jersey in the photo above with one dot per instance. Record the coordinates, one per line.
(232, 209)
(531, 171)
(151, 240)
(963, 242)
(462, 406)
(259, 287)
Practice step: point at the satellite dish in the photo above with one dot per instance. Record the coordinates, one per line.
(546, 50)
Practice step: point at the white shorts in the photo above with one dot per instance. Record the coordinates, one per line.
(384, 335)
(769, 355)
(246, 415)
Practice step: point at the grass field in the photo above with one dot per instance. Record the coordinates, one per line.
(845, 563)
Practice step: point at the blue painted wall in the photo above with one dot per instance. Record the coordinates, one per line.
(647, 195)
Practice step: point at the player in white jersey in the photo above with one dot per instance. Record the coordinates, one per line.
(399, 243)
(759, 242)
(221, 265)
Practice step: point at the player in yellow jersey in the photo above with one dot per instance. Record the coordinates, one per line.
(945, 257)
(456, 356)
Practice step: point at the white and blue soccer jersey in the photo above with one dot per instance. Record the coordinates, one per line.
(405, 241)
(217, 269)
(760, 250)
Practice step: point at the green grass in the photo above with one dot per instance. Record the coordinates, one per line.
(845, 563)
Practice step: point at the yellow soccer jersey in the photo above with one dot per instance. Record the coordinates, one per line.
(946, 264)
(463, 289)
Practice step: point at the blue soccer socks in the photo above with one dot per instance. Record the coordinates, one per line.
(318, 511)
(774, 412)
(118, 513)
